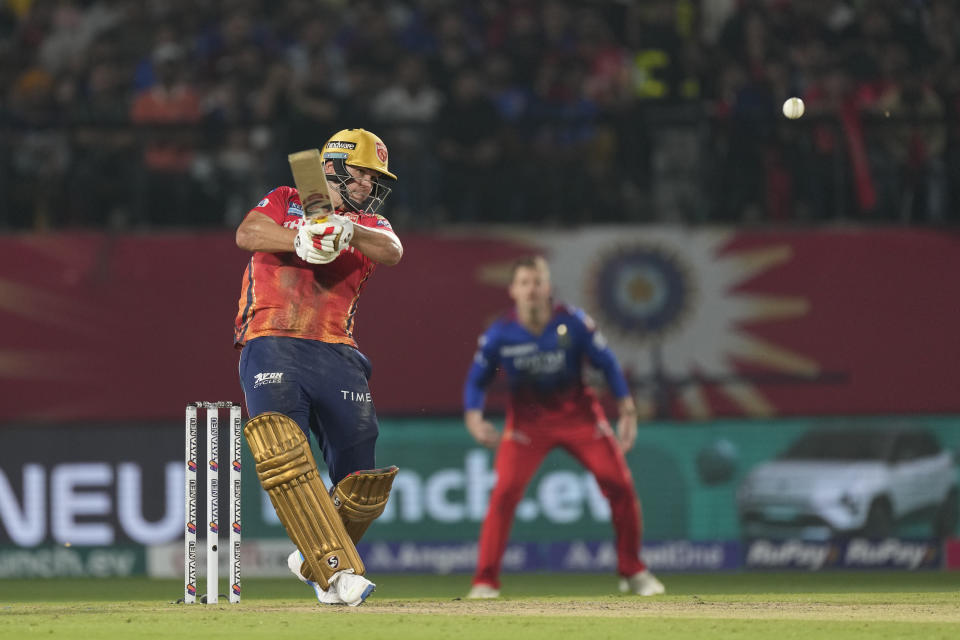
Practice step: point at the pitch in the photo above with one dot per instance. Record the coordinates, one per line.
(749, 605)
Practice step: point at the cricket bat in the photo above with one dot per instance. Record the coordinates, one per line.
(311, 181)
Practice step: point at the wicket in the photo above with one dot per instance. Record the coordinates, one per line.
(213, 502)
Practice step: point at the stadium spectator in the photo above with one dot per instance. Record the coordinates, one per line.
(915, 144)
(102, 146)
(39, 166)
(407, 106)
(168, 189)
(467, 142)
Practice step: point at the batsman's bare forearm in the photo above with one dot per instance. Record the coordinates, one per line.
(383, 247)
(258, 232)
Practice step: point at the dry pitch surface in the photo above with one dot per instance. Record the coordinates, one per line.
(694, 607)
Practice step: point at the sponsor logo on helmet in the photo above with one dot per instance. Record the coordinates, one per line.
(339, 144)
(382, 152)
(335, 156)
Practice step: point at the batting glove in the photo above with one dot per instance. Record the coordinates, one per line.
(306, 245)
(337, 232)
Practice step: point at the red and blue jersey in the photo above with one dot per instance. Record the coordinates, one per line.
(282, 295)
(544, 372)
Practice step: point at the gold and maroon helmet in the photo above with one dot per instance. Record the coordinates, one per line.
(362, 149)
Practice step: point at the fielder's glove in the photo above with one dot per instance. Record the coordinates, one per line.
(307, 246)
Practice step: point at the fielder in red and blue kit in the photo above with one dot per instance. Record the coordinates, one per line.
(542, 348)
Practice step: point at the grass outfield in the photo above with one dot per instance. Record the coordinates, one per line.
(774, 606)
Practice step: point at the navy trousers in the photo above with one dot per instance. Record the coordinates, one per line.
(322, 387)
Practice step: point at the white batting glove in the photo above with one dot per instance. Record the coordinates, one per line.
(336, 234)
(306, 244)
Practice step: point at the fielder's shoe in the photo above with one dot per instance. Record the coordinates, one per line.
(483, 591)
(351, 588)
(330, 596)
(643, 583)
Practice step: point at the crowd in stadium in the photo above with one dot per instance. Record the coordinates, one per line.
(181, 112)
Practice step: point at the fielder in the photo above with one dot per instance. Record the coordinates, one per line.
(300, 367)
(542, 347)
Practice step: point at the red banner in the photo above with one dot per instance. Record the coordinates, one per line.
(708, 323)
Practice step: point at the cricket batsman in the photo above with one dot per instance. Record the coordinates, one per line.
(542, 348)
(300, 367)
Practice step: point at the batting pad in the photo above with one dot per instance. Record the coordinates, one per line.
(361, 497)
(288, 473)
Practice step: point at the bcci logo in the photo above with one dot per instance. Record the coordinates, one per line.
(643, 291)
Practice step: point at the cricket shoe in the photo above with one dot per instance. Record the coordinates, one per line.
(642, 583)
(481, 591)
(328, 596)
(351, 588)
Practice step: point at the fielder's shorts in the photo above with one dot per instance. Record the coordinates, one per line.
(323, 388)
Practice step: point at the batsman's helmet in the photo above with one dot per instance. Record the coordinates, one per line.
(364, 150)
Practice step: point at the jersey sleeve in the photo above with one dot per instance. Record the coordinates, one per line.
(482, 369)
(382, 223)
(600, 354)
(275, 204)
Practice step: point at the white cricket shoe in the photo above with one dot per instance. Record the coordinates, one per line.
(329, 596)
(643, 583)
(483, 591)
(351, 588)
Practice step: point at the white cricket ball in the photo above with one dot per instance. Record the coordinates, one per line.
(793, 108)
